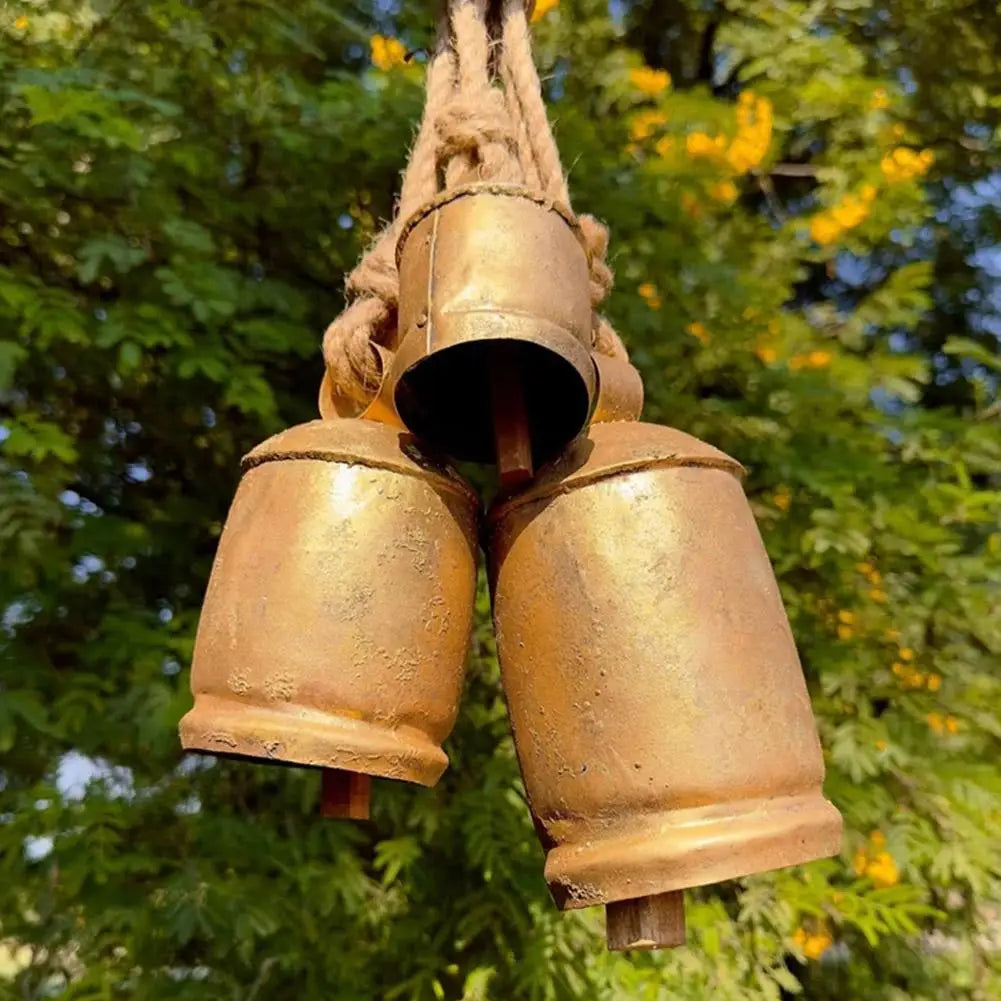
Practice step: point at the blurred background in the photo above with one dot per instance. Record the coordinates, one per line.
(803, 200)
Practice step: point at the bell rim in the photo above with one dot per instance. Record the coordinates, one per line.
(678, 850)
(413, 460)
(260, 733)
(549, 481)
(412, 356)
(504, 190)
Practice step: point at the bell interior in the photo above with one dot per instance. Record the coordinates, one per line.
(446, 398)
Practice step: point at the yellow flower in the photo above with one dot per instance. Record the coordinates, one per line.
(649, 81)
(903, 164)
(690, 205)
(542, 8)
(874, 576)
(845, 632)
(650, 294)
(878, 838)
(754, 132)
(725, 192)
(878, 596)
(935, 722)
(664, 145)
(782, 498)
(699, 332)
(934, 682)
(880, 99)
(850, 211)
(905, 653)
(846, 616)
(859, 862)
(816, 945)
(881, 745)
(883, 871)
(766, 353)
(952, 724)
(824, 229)
(898, 669)
(21, 23)
(645, 124)
(813, 359)
(799, 937)
(703, 144)
(387, 53)
(891, 634)
(864, 568)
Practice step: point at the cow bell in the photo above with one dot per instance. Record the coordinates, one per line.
(492, 276)
(660, 714)
(335, 628)
(620, 390)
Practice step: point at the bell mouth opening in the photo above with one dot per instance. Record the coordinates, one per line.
(446, 398)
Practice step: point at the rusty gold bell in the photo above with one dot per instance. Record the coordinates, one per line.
(620, 390)
(491, 275)
(660, 714)
(335, 628)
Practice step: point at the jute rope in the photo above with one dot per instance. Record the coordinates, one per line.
(484, 120)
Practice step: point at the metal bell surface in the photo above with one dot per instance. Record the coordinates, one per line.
(660, 714)
(491, 275)
(335, 628)
(620, 390)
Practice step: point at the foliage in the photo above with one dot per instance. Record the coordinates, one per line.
(802, 198)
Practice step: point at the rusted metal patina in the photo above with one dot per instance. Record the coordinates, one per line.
(480, 266)
(335, 628)
(660, 713)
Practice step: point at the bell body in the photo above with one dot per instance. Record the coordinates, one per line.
(619, 395)
(487, 269)
(660, 714)
(335, 627)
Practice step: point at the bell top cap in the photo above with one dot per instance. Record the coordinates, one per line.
(355, 441)
(487, 188)
(618, 447)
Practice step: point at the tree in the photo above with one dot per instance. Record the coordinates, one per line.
(800, 200)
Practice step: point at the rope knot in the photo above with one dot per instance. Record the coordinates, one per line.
(376, 275)
(469, 126)
(596, 241)
(354, 367)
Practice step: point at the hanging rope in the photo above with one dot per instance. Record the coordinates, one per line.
(471, 130)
